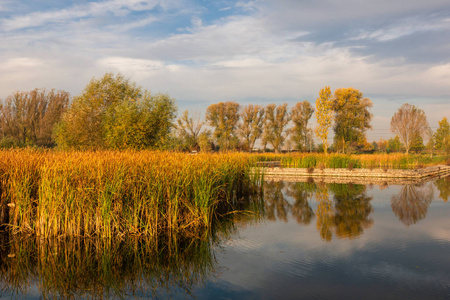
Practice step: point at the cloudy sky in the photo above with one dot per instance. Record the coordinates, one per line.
(264, 51)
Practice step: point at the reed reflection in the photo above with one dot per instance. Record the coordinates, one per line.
(114, 268)
(412, 202)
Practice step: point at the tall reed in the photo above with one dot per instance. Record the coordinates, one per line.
(110, 193)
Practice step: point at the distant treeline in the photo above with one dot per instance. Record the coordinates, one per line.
(113, 113)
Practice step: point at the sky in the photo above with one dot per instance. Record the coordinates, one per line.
(260, 52)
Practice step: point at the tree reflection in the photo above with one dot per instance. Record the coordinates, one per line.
(276, 206)
(350, 214)
(352, 210)
(411, 204)
(301, 192)
(443, 186)
(324, 213)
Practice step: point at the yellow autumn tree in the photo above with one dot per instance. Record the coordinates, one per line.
(324, 115)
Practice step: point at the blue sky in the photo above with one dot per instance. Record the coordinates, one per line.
(267, 51)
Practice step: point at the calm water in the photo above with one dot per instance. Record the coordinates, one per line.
(302, 240)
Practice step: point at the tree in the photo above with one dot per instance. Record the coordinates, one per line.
(204, 141)
(29, 118)
(224, 117)
(276, 120)
(113, 113)
(301, 113)
(351, 117)
(382, 145)
(442, 136)
(394, 144)
(251, 126)
(408, 122)
(324, 115)
(189, 129)
(417, 143)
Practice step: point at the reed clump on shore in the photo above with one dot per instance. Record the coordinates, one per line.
(112, 193)
(369, 161)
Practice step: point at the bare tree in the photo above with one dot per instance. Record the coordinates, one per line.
(29, 118)
(224, 117)
(251, 126)
(189, 129)
(300, 115)
(409, 122)
(276, 120)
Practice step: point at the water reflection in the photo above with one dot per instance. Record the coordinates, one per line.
(155, 267)
(411, 204)
(345, 215)
(443, 186)
(301, 192)
(171, 266)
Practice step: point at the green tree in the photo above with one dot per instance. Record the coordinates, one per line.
(301, 113)
(324, 115)
(351, 117)
(113, 112)
(251, 126)
(408, 122)
(276, 120)
(224, 117)
(442, 136)
(29, 118)
(417, 143)
(394, 144)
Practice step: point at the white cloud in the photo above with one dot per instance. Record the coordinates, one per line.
(36, 19)
(405, 28)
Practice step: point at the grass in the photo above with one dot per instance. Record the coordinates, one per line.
(111, 193)
(353, 161)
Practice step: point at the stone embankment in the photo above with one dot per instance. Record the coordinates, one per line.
(375, 176)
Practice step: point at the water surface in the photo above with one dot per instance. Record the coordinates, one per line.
(301, 240)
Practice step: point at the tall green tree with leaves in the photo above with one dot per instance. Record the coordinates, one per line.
(224, 117)
(113, 112)
(351, 117)
(301, 113)
(408, 122)
(324, 115)
(250, 127)
(276, 121)
(442, 136)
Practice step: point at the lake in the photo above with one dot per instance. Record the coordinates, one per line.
(299, 240)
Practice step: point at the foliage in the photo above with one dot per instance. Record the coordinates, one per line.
(408, 122)
(324, 115)
(276, 120)
(28, 118)
(251, 126)
(394, 144)
(417, 143)
(113, 113)
(352, 117)
(224, 117)
(301, 113)
(442, 136)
